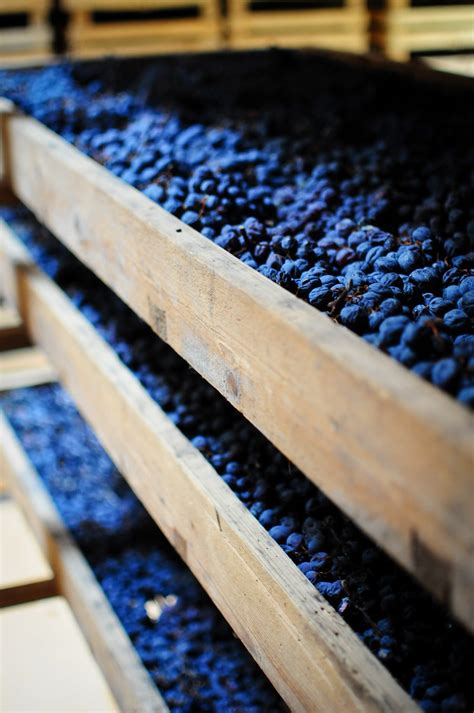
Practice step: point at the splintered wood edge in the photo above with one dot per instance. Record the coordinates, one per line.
(128, 679)
(28, 366)
(305, 648)
(391, 450)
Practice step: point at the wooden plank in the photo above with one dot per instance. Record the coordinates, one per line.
(16, 6)
(28, 366)
(126, 5)
(92, 50)
(21, 560)
(288, 20)
(45, 666)
(391, 450)
(163, 29)
(89, 38)
(343, 40)
(445, 16)
(311, 656)
(35, 38)
(401, 30)
(12, 331)
(113, 650)
(28, 592)
(33, 58)
(456, 64)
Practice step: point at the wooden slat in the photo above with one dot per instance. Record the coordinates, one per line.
(164, 30)
(28, 592)
(311, 656)
(286, 21)
(445, 16)
(391, 450)
(12, 331)
(127, 48)
(24, 573)
(28, 366)
(45, 664)
(116, 656)
(342, 40)
(399, 30)
(456, 64)
(344, 27)
(16, 6)
(115, 5)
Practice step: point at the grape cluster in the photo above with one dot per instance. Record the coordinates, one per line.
(186, 645)
(418, 642)
(355, 192)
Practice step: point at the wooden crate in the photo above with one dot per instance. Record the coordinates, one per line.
(32, 42)
(400, 28)
(124, 672)
(343, 28)
(89, 38)
(305, 648)
(398, 459)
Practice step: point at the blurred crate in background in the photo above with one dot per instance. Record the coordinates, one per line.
(402, 27)
(330, 24)
(24, 30)
(100, 27)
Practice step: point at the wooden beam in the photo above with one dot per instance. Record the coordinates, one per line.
(12, 331)
(391, 450)
(127, 678)
(28, 592)
(25, 367)
(305, 648)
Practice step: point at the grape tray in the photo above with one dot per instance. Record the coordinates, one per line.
(89, 38)
(306, 650)
(73, 578)
(32, 41)
(342, 28)
(397, 457)
(400, 28)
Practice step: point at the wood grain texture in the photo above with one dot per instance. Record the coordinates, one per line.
(311, 656)
(127, 678)
(28, 366)
(391, 450)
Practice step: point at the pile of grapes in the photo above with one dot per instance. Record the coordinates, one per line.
(419, 643)
(350, 187)
(184, 642)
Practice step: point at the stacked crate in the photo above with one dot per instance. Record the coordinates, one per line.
(265, 23)
(401, 27)
(102, 27)
(24, 30)
(221, 318)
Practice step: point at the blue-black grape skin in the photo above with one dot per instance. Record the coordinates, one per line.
(426, 649)
(352, 195)
(190, 651)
